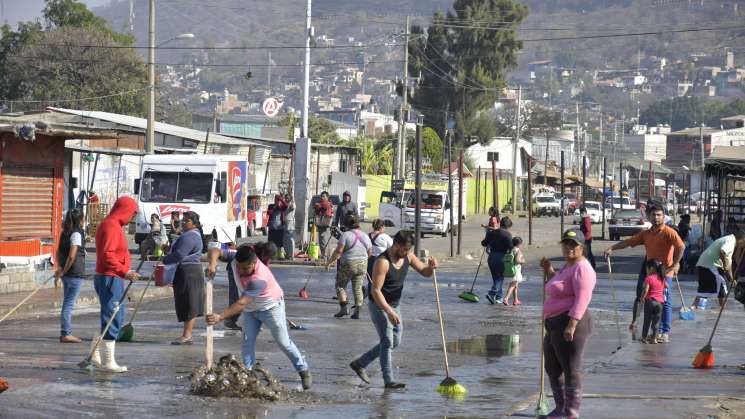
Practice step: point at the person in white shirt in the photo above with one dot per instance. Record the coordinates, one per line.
(380, 243)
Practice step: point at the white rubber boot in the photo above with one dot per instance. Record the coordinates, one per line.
(96, 358)
(109, 359)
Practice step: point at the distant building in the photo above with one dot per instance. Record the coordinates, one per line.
(650, 143)
(499, 150)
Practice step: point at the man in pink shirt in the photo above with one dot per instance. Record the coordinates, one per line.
(262, 303)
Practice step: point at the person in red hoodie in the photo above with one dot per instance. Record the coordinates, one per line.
(112, 268)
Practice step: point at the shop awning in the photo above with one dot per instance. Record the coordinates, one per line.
(728, 159)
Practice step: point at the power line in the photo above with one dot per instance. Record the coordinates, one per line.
(82, 99)
(228, 48)
(322, 64)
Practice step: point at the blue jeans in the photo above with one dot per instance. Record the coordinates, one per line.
(390, 338)
(71, 287)
(667, 307)
(496, 267)
(110, 290)
(275, 320)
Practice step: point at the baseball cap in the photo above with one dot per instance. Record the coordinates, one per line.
(575, 235)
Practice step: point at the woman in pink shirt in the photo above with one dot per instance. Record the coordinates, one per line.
(568, 323)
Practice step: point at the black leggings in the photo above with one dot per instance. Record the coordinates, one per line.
(564, 359)
(652, 316)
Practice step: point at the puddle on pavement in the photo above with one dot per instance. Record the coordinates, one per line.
(490, 346)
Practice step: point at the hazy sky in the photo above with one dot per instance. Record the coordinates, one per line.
(23, 10)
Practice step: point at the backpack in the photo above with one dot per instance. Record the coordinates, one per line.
(510, 266)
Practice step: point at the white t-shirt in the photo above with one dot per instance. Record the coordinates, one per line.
(381, 243)
(76, 239)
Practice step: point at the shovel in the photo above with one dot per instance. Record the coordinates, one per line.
(469, 295)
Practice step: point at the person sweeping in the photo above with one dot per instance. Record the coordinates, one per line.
(568, 323)
(711, 268)
(263, 305)
(113, 264)
(389, 274)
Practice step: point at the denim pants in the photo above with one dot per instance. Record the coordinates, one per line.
(275, 320)
(71, 287)
(110, 290)
(496, 267)
(390, 338)
(667, 307)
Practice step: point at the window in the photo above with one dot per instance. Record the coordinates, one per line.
(176, 187)
(343, 165)
(492, 156)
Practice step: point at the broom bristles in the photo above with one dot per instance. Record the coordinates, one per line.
(704, 358)
(456, 390)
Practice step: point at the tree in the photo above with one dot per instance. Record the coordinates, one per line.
(461, 61)
(73, 14)
(432, 148)
(52, 68)
(376, 157)
(687, 112)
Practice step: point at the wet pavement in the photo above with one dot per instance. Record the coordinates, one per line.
(493, 353)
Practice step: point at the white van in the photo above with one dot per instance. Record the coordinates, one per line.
(435, 211)
(213, 186)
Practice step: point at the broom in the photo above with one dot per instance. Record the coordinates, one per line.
(448, 386)
(541, 408)
(705, 357)
(685, 313)
(303, 293)
(469, 295)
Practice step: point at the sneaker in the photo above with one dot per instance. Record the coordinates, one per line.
(498, 301)
(361, 372)
(663, 338)
(491, 299)
(394, 386)
(517, 302)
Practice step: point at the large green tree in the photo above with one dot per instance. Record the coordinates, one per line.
(461, 60)
(686, 112)
(432, 149)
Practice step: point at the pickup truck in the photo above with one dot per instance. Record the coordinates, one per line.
(595, 211)
(545, 205)
(435, 213)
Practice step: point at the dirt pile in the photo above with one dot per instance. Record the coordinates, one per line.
(229, 378)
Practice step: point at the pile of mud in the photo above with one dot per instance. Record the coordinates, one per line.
(229, 378)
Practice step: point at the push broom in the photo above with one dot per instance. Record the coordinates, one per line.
(127, 333)
(705, 357)
(448, 386)
(470, 296)
(685, 313)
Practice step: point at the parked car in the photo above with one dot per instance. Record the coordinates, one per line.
(595, 211)
(627, 223)
(545, 205)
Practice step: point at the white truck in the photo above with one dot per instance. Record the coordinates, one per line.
(619, 203)
(213, 186)
(435, 211)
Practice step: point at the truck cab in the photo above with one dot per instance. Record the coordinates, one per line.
(213, 186)
(435, 212)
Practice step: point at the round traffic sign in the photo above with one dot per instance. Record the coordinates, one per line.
(270, 107)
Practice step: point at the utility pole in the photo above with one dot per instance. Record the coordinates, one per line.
(404, 108)
(306, 85)
(460, 199)
(150, 139)
(602, 202)
(418, 187)
(514, 151)
(131, 16)
(563, 190)
(701, 190)
(577, 136)
(269, 75)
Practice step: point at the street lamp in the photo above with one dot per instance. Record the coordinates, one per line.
(150, 136)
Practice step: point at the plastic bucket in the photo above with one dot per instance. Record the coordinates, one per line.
(158, 275)
(314, 251)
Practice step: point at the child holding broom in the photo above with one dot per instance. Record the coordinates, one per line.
(652, 299)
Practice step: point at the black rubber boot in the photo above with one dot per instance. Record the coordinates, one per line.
(343, 310)
(356, 312)
(306, 379)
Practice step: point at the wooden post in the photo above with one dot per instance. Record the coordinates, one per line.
(208, 354)
(318, 167)
(486, 176)
(530, 201)
(561, 230)
(496, 192)
(478, 190)
(494, 183)
(602, 203)
(460, 199)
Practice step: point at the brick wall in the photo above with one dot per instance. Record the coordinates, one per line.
(11, 281)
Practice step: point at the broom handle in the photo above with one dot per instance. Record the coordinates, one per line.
(111, 319)
(13, 310)
(137, 307)
(680, 291)
(543, 336)
(613, 298)
(726, 297)
(442, 326)
(478, 268)
(208, 350)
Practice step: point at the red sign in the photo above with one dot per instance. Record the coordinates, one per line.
(166, 210)
(271, 107)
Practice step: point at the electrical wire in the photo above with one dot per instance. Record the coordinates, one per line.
(82, 99)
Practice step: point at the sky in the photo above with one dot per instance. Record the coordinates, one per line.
(24, 10)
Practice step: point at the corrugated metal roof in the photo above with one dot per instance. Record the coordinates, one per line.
(160, 127)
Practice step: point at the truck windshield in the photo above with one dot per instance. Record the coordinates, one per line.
(544, 199)
(429, 201)
(176, 187)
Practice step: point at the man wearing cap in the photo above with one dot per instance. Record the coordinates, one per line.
(663, 244)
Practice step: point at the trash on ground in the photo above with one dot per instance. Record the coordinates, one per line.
(229, 378)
